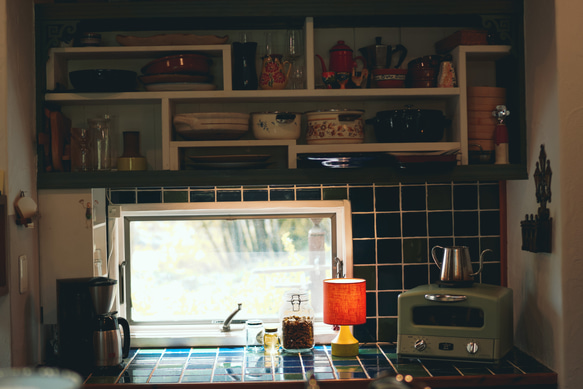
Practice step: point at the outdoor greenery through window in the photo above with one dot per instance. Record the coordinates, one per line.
(188, 268)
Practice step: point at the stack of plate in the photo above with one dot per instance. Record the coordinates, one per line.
(482, 100)
(189, 72)
(211, 125)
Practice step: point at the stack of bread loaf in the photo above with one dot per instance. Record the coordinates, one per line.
(482, 100)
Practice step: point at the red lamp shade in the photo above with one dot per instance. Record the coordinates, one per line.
(345, 301)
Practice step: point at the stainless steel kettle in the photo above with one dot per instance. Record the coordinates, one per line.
(107, 343)
(456, 265)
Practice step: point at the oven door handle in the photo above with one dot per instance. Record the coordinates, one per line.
(446, 298)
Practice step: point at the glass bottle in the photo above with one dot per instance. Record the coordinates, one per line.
(297, 322)
(271, 340)
(244, 67)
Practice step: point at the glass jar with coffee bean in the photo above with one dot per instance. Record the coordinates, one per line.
(297, 322)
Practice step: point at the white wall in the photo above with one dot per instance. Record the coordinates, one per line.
(548, 287)
(19, 312)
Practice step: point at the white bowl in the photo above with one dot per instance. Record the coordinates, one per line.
(276, 125)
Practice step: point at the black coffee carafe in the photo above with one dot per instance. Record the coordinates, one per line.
(107, 343)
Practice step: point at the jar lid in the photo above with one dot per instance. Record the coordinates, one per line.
(296, 294)
(271, 329)
(254, 323)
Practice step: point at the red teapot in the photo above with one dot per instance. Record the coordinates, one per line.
(342, 60)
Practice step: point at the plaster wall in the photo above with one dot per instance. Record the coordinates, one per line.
(19, 312)
(548, 312)
(4, 300)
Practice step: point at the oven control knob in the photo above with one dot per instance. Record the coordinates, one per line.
(472, 347)
(420, 345)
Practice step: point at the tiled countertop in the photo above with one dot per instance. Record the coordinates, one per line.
(153, 367)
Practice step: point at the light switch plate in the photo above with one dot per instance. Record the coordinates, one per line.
(23, 273)
(113, 211)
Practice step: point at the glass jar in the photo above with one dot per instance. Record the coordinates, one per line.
(102, 142)
(254, 335)
(271, 340)
(297, 322)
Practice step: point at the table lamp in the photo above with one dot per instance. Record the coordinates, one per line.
(345, 305)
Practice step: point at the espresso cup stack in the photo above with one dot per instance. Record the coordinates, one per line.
(482, 101)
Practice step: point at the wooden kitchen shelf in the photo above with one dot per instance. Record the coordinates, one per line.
(163, 149)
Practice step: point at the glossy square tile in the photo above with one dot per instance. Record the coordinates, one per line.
(440, 223)
(415, 275)
(228, 195)
(489, 223)
(123, 197)
(465, 223)
(389, 251)
(489, 196)
(387, 199)
(363, 252)
(413, 198)
(202, 196)
(371, 304)
(255, 195)
(465, 197)
(335, 193)
(308, 194)
(363, 225)
(415, 250)
(439, 197)
(173, 196)
(388, 225)
(414, 224)
(388, 303)
(282, 194)
(390, 277)
(361, 199)
(149, 197)
(368, 273)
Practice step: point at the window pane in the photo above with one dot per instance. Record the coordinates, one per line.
(197, 270)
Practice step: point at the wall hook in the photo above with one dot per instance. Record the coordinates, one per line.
(537, 229)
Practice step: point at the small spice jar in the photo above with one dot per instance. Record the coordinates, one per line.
(271, 340)
(297, 322)
(254, 335)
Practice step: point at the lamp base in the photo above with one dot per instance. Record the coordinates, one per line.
(345, 344)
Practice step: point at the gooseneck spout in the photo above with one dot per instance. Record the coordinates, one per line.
(227, 323)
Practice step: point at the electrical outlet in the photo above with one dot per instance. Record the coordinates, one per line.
(113, 211)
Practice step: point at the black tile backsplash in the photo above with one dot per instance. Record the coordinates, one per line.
(394, 229)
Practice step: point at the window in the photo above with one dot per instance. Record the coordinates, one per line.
(188, 267)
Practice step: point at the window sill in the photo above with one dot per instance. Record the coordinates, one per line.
(204, 336)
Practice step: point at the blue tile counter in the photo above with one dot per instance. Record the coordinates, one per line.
(215, 367)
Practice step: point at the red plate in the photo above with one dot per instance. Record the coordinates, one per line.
(181, 63)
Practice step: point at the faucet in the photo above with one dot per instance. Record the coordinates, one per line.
(227, 323)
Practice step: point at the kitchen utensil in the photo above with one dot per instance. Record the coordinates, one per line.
(456, 265)
(409, 125)
(335, 126)
(380, 56)
(273, 72)
(103, 80)
(342, 60)
(276, 125)
(191, 63)
(107, 343)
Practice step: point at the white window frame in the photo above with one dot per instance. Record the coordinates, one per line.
(183, 335)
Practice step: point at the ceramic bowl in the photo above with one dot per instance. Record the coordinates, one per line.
(180, 63)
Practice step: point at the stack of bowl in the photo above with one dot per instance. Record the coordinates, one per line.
(189, 71)
(211, 125)
(482, 100)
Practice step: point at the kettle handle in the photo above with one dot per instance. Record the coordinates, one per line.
(403, 50)
(126, 336)
(433, 255)
(481, 262)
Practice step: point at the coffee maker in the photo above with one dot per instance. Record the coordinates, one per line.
(88, 330)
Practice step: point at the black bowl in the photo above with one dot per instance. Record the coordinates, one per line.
(103, 80)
